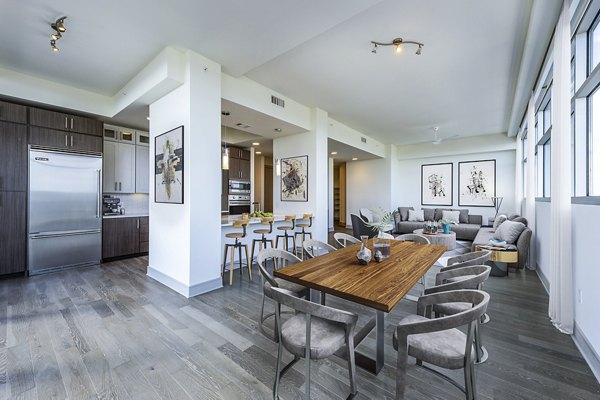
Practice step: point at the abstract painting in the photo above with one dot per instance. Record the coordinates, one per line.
(436, 184)
(477, 183)
(294, 178)
(168, 167)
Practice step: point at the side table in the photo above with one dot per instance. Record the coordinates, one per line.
(444, 239)
(500, 257)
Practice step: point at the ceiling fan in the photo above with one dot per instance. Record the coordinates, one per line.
(437, 139)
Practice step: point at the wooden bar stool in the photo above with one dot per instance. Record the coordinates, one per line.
(303, 232)
(262, 242)
(243, 223)
(286, 228)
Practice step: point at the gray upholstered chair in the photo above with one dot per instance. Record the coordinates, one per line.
(315, 248)
(413, 237)
(280, 258)
(438, 341)
(343, 239)
(471, 277)
(366, 215)
(315, 332)
(360, 227)
(465, 260)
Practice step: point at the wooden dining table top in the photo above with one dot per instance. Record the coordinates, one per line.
(379, 285)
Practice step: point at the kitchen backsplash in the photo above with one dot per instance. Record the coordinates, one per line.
(134, 203)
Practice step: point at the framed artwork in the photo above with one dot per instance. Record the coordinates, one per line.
(476, 183)
(294, 178)
(436, 184)
(168, 167)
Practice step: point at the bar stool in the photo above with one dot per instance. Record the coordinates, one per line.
(243, 223)
(285, 228)
(303, 232)
(262, 242)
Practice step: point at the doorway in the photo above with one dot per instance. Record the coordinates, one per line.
(268, 189)
(339, 194)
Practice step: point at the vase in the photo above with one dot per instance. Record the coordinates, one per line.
(381, 247)
(446, 228)
(364, 254)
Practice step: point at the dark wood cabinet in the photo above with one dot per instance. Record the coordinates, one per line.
(64, 122)
(124, 236)
(239, 164)
(13, 157)
(13, 112)
(224, 190)
(13, 232)
(65, 140)
(244, 169)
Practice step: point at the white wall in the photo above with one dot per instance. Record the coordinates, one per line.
(183, 237)
(368, 185)
(407, 185)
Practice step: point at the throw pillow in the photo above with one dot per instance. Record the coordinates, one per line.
(428, 213)
(509, 231)
(453, 216)
(404, 213)
(415, 216)
(498, 221)
(463, 217)
(521, 219)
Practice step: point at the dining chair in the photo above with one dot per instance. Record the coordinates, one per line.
(315, 248)
(342, 239)
(280, 258)
(413, 237)
(464, 260)
(360, 227)
(385, 235)
(438, 341)
(471, 277)
(314, 333)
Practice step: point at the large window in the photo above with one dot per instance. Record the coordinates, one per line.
(594, 145)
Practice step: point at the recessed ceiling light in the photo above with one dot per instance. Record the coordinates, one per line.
(333, 153)
(255, 144)
(277, 129)
(258, 152)
(354, 158)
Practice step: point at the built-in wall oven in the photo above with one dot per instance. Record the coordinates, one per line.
(239, 197)
(239, 187)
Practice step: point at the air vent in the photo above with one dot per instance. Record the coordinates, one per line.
(277, 101)
(363, 139)
(243, 126)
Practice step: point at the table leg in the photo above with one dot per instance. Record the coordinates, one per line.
(366, 362)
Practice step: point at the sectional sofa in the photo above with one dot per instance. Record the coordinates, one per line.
(466, 229)
(485, 234)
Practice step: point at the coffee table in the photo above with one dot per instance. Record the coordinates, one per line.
(444, 239)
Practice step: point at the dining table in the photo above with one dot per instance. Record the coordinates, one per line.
(377, 285)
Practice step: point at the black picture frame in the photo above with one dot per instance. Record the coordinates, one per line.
(162, 192)
(293, 169)
(439, 171)
(470, 186)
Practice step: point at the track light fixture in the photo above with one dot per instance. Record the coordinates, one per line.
(59, 29)
(397, 43)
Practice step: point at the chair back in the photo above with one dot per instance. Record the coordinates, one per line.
(267, 221)
(366, 214)
(342, 239)
(413, 237)
(240, 223)
(315, 248)
(360, 227)
(280, 258)
(292, 219)
(474, 276)
(465, 260)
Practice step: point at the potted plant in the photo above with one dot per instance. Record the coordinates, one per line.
(445, 222)
(382, 221)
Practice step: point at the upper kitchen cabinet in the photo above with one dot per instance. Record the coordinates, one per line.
(64, 140)
(118, 165)
(242, 154)
(239, 164)
(142, 170)
(10, 112)
(142, 138)
(64, 122)
(118, 134)
(13, 157)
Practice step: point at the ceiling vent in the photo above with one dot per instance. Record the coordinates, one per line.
(277, 101)
(363, 139)
(243, 126)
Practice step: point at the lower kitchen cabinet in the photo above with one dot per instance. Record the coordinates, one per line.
(13, 232)
(124, 236)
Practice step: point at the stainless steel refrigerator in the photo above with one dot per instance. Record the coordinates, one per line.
(65, 217)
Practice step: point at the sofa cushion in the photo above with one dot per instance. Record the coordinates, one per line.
(465, 231)
(428, 214)
(415, 216)
(452, 216)
(482, 238)
(522, 220)
(499, 219)
(509, 231)
(404, 212)
(463, 216)
(409, 226)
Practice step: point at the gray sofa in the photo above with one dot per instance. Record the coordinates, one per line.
(485, 234)
(466, 230)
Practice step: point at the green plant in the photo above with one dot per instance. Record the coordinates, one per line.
(445, 221)
(382, 219)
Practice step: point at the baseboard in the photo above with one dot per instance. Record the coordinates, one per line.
(543, 278)
(182, 288)
(587, 351)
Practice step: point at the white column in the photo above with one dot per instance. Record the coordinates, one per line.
(185, 238)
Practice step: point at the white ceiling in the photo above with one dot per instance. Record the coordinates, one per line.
(317, 53)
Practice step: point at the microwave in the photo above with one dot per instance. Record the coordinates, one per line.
(239, 186)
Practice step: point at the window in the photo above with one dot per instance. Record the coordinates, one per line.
(546, 179)
(594, 145)
(594, 44)
(524, 152)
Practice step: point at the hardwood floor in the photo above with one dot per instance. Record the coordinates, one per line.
(111, 332)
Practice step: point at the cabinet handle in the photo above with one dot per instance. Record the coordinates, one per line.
(71, 123)
(71, 139)
(66, 127)
(115, 186)
(66, 142)
(138, 224)
(120, 187)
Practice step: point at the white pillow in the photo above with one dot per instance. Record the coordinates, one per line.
(498, 221)
(453, 216)
(416, 215)
(509, 231)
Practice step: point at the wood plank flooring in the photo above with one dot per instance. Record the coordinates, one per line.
(111, 332)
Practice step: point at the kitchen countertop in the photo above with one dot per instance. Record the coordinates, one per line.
(227, 220)
(125, 216)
